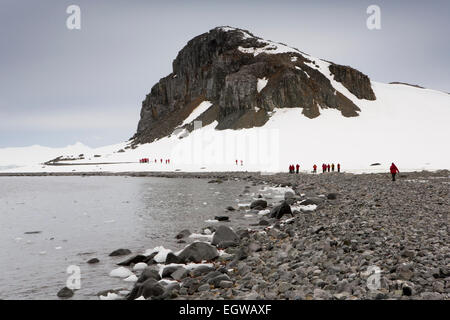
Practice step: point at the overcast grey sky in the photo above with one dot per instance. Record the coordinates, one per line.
(60, 86)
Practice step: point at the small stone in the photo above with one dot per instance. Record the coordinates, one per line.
(222, 218)
(93, 260)
(203, 287)
(183, 234)
(283, 287)
(408, 254)
(406, 290)
(332, 196)
(225, 284)
(65, 293)
(120, 252)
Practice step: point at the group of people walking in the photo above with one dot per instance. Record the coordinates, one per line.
(325, 168)
(294, 169)
(330, 168)
(147, 160)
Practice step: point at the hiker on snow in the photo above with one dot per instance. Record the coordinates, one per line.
(332, 167)
(314, 168)
(297, 167)
(394, 171)
(339, 167)
(328, 167)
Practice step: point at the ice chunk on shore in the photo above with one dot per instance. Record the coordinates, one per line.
(110, 296)
(305, 208)
(139, 266)
(201, 236)
(120, 272)
(132, 278)
(160, 256)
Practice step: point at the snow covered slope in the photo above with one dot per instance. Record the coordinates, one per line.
(405, 124)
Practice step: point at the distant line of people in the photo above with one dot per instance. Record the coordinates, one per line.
(147, 160)
(237, 162)
(330, 168)
(294, 169)
(325, 168)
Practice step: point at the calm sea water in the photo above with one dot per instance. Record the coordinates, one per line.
(79, 218)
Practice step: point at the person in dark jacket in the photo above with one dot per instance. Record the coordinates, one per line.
(394, 170)
(332, 167)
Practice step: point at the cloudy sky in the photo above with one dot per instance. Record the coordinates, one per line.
(60, 86)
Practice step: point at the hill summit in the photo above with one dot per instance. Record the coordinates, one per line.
(244, 78)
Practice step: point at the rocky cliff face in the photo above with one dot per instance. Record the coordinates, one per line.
(245, 78)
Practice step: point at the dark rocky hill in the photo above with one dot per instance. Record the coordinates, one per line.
(223, 66)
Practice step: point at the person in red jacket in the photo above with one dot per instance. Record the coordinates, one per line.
(328, 167)
(394, 171)
(314, 168)
(339, 167)
(297, 167)
(324, 167)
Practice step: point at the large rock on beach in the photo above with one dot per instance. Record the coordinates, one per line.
(226, 235)
(258, 204)
(197, 252)
(280, 210)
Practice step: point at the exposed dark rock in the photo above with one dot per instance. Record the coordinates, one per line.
(167, 271)
(183, 234)
(149, 273)
(211, 67)
(224, 233)
(201, 270)
(150, 288)
(65, 293)
(133, 260)
(180, 273)
(356, 82)
(119, 252)
(260, 204)
(93, 260)
(332, 196)
(280, 210)
(198, 251)
(222, 218)
(172, 258)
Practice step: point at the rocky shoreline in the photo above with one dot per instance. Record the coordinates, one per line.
(348, 237)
